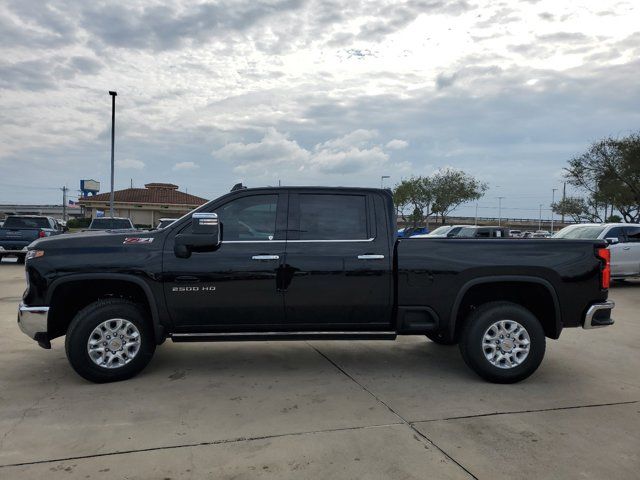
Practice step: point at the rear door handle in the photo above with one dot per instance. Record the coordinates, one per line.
(266, 257)
(626, 248)
(370, 257)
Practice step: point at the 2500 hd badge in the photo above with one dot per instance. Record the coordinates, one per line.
(204, 288)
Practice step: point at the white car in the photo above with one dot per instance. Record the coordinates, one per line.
(623, 239)
(446, 231)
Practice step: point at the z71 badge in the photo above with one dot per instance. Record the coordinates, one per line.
(136, 240)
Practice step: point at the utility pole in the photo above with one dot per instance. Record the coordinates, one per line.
(382, 177)
(540, 219)
(500, 211)
(64, 202)
(476, 224)
(553, 200)
(113, 129)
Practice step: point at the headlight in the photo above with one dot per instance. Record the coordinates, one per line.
(34, 254)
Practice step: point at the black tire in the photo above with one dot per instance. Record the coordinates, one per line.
(21, 258)
(473, 331)
(84, 323)
(441, 339)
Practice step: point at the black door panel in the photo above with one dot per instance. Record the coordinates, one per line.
(234, 287)
(341, 269)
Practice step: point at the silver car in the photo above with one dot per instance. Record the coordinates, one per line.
(623, 239)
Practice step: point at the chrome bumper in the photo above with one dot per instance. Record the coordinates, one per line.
(599, 315)
(20, 250)
(33, 322)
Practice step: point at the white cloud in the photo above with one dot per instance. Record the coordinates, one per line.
(130, 164)
(185, 166)
(277, 155)
(397, 144)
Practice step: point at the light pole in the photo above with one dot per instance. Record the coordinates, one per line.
(540, 219)
(500, 211)
(113, 129)
(382, 177)
(476, 224)
(553, 200)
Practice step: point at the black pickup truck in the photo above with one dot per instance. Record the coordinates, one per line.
(307, 263)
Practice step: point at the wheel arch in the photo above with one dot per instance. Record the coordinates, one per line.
(511, 287)
(129, 285)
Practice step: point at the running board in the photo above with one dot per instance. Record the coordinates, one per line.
(252, 336)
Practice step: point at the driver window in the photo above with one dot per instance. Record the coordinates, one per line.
(249, 218)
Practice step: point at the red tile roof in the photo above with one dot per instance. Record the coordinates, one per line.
(158, 193)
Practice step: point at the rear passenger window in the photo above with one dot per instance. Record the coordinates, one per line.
(633, 234)
(332, 217)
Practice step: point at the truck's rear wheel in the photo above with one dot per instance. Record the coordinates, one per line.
(441, 338)
(502, 342)
(109, 340)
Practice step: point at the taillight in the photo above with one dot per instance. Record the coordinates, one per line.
(41, 234)
(604, 254)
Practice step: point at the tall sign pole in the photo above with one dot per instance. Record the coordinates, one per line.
(113, 130)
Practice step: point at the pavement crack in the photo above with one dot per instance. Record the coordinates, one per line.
(403, 420)
(539, 410)
(200, 444)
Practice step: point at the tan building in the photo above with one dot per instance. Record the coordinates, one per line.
(144, 206)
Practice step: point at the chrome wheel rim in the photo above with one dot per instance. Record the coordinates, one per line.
(114, 343)
(506, 344)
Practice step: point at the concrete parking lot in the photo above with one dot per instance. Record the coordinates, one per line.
(400, 410)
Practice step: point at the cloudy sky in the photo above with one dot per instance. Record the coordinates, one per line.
(312, 92)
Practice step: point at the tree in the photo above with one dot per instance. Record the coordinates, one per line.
(609, 173)
(413, 200)
(418, 198)
(451, 188)
(573, 207)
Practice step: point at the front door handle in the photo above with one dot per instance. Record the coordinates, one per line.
(266, 257)
(370, 257)
(626, 248)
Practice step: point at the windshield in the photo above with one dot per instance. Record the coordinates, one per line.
(110, 223)
(441, 230)
(586, 232)
(26, 222)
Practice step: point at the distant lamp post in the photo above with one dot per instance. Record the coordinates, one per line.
(113, 129)
(540, 218)
(553, 200)
(500, 211)
(382, 178)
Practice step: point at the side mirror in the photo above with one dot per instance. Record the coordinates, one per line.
(612, 240)
(205, 236)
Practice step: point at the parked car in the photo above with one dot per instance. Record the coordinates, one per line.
(18, 231)
(279, 263)
(541, 234)
(408, 232)
(623, 239)
(483, 232)
(446, 231)
(165, 222)
(515, 233)
(111, 223)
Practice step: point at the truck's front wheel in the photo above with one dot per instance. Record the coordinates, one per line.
(502, 342)
(109, 340)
